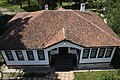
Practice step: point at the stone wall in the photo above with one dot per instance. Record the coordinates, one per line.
(95, 66)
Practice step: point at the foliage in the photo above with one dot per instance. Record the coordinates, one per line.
(112, 14)
(41, 5)
(118, 72)
(3, 20)
(96, 4)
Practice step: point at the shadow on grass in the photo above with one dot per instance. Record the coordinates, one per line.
(31, 8)
(74, 6)
(34, 72)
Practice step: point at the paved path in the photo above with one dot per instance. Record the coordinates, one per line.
(65, 75)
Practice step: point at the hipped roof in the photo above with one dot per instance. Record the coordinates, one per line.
(41, 29)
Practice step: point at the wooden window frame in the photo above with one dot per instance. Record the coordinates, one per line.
(87, 54)
(93, 51)
(102, 53)
(41, 52)
(17, 54)
(110, 52)
(29, 56)
(8, 57)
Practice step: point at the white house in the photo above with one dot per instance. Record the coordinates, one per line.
(58, 38)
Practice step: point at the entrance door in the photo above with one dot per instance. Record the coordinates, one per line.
(63, 50)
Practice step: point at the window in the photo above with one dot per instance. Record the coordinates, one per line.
(93, 53)
(9, 55)
(109, 52)
(19, 55)
(71, 48)
(101, 52)
(41, 55)
(85, 53)
(30, 55)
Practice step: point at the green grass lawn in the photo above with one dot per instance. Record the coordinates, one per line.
(97, 75)
(34, 6)
(16, 7)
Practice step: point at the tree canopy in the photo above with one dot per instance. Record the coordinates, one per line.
(112, 14)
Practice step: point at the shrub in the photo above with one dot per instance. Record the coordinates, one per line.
(118, 72)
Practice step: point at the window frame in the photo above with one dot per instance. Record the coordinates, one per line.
(29, 56)
(42, 52)
(102, 53)
(8, 57)
(87, 53)
(110, 52)
(78, 54)
(17, 54)
(93, 51)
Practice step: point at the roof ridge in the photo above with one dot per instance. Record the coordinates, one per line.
(95, 25)
(63, 31)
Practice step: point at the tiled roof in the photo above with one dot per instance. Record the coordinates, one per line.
(36, 30)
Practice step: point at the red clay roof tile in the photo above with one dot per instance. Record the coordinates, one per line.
(36, 30)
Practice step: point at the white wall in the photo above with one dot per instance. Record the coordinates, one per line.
(26, 61)
(64, 44)
(46, 61)
(52, 52)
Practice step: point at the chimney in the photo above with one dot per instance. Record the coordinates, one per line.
(82, 8)
(46, 7)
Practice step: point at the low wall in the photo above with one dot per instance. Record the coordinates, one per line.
(95, 66)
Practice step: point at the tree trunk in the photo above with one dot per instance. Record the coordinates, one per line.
(20, 4)
(8, 1)
(60, 2)
(17, 2)
(38, 1)
(29, 3)
(75, 2)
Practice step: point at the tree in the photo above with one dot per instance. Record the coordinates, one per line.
(112, 14)
(29, 3)
(20, 4)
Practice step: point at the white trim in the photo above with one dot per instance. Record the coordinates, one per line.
(25, 61)
(96, 60)
(64, 44)
(14, 55)
(97, 52)
(46, 61)
(113, 52)
(67, 44)
(105, 52)
(81, 56)
(89, 53)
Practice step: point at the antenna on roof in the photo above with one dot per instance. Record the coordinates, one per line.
(82, 8)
